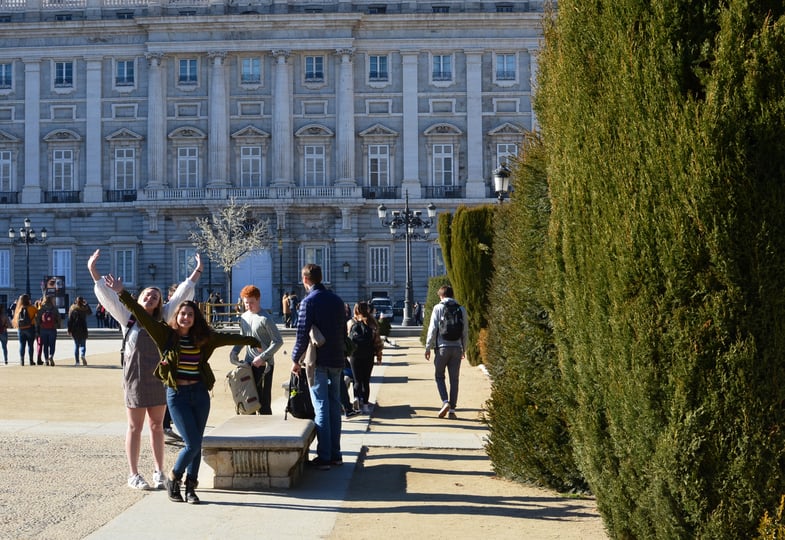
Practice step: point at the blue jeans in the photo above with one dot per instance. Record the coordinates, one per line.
(4, 344)
(48, 340)
(189, 406)
(26, 339)
(80, 346)
(326, 397)
(449, 358)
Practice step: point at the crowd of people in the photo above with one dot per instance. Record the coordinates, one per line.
(166, 348)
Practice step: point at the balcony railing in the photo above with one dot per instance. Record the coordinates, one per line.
(121, 195)
(62, 196)
(9, 197)
(286, 192)
(377, 192)
(443, 192)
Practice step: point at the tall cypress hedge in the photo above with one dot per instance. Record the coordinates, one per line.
(528, 436)
(664, 124)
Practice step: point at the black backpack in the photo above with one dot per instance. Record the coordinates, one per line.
(362, 337)
(451, 323)
(24, 317)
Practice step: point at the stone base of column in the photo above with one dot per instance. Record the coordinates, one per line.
(475, 189)
(413, 187)
(93, 194)
(31, 195)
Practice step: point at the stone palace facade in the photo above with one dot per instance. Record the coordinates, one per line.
(122, 121)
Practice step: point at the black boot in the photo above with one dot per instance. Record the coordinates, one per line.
(190, 494)
(173, 487)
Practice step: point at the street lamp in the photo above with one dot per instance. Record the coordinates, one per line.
(27, 237)
(404, 224)
(501, 181)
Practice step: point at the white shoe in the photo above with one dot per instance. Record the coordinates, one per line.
(158, 480)
(137, 482)
(444, 410)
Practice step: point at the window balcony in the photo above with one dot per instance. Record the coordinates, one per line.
(62, 197)
(443, 192)
(382, 192)
(9, 197)
(121, 195)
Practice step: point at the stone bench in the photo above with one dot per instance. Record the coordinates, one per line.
(253, 452)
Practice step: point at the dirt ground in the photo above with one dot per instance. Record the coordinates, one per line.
(60, 487)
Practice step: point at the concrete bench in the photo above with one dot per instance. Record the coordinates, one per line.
(252, 452)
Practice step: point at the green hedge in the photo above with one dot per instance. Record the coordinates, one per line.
(664, 124)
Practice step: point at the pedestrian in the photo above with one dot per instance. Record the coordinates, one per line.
(185, 342)
(47, 321)
(144, 394)
(418, 314)
(77, 328)
(286, 310)
(262, 361)
(170, 434)
(5, 322)
(294, 307)
(447, 334)
(323, 309)
(364, 333)
(99, 315)
(385, 327)
(24, 322)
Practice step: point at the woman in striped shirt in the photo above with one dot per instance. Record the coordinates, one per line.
(186, 343)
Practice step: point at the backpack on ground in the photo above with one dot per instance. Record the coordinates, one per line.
(48, 319)
(451, 322)
(243, 387)
(362, 336)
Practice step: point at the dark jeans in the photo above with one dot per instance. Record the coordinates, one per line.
(80, 346)
(48, 340)
(264, 387)
(189, 406)
(448, 358)
(26, 339)
(361, 368)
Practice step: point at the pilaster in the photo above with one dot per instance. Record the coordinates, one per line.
(31, 192)
(282, 145)
(93, 189)
(345, 120)
(218, 120)
(475, 184)
(411, 134)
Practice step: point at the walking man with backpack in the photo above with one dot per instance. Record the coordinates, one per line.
(447, 333)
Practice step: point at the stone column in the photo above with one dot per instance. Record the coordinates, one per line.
(345, 119)
(218, 120)
(156, 122)
(411, 131)
(475, 184)
(31, 192)
(282, 145)
(93, 188)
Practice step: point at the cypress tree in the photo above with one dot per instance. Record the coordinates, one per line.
(665, 130)
(528, 434)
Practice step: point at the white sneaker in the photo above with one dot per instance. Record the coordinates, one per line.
(444, 410)
(158, 480)
(137, 482)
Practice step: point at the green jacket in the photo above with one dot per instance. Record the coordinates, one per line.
(168, 344)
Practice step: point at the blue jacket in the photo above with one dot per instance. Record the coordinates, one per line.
(325, 310)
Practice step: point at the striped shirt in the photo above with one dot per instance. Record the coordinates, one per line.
(190, 355)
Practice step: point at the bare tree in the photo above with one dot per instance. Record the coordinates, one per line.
(229, 235)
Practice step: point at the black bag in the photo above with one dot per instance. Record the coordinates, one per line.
(451, 323)
(362, 337)
(299, 402)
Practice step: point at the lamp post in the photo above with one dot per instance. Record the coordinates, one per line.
(501, 181)
(404, 224)
(27, 236)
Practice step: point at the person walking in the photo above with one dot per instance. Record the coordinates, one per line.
(324, 310)
(5, 322)
(364, 333)
(294, 307)
(47, 321)
(447, 333)
(286, 310)
(185, 343)
(24, 322)
(262, 361)
(77, 328)
(144, 394)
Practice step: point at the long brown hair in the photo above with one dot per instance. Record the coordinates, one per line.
(200, 331)
(362, 312)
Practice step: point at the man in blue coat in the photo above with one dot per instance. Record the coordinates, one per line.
(324, 310)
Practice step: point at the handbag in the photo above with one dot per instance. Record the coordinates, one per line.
(299, 402)
(243, 387)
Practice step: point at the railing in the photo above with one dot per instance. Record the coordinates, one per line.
(285, 192)
(62, 196)
(387, 192)
(121, 195)
(9, 197)
(443, 192)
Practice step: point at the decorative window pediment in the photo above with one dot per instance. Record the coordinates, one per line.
(124, 135)
(62, 135)
(378, 130)
(506, 129)
(187, 132)
(314, 130)
(249, 133)
(7, 138)
(443, 130)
